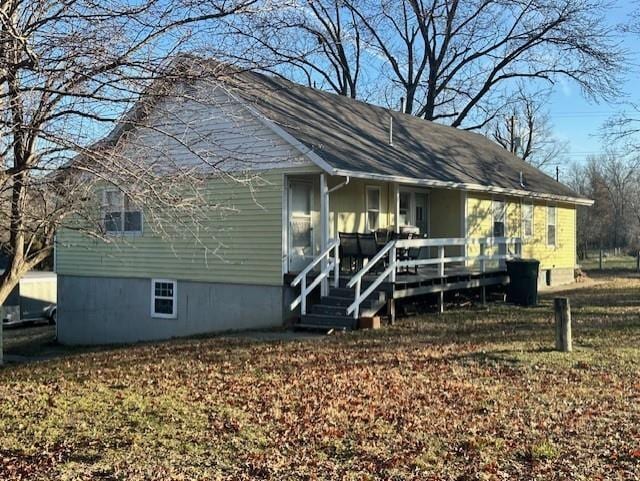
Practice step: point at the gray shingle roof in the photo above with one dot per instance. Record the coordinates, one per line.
(353, 136)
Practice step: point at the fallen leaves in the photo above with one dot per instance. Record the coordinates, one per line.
(469, 395)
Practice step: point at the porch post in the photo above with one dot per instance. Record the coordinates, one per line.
(324, 229)
(396, 206)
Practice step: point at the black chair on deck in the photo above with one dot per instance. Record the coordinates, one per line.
(368, 246)
(349, 249)
(383, 237)
(406, 254)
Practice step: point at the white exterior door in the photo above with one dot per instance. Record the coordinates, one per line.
(421, 210)
(413, 209)
(300, 225)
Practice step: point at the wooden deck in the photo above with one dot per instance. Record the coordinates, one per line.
(391, 275)
(427, 280)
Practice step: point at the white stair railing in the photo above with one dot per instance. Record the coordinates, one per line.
(357, 279)
(440, 261)
(332, 265)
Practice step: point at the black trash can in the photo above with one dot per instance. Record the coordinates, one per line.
(523, 284)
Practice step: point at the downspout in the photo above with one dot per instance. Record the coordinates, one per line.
(333, 189)
(340, 186)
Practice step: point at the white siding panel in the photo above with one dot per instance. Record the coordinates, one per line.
(209, 128)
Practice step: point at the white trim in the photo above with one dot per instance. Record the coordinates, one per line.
(285, 224)
(311, 184)
(412, 205)
(523, 234)
(555, 224)
(396, 201)
(367, 188)
(505, 204)
(324, 229)
(465, 186)
(464, 212)
(174, 313)
(121, 233)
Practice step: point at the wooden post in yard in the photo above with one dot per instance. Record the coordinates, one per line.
(600, 260)
(391, 310)
(562, 310)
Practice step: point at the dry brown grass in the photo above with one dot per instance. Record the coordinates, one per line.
(472, 394)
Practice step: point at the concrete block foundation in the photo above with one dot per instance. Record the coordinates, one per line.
(555, 277)
(104, 310)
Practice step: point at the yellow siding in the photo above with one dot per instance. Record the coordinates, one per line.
(348, 205)
(445, 212)
(241, 246)
(480, 222)
(563, 255)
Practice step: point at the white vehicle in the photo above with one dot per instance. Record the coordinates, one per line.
(33, 300)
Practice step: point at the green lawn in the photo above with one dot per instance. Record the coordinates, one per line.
(472, 394)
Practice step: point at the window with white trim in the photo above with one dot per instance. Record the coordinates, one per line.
(120, 214)
(373, 208)
(164, 298)
(551, 225)
(404, 217)
(499, 210)
(527, 220)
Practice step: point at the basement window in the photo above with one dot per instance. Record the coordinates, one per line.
(164, 298)
(120, 214)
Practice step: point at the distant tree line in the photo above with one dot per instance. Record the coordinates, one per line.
(612, 180)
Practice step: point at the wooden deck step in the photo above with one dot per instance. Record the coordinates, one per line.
(328, 309)
(326, 321)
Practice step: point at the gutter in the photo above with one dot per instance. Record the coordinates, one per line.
(464, 186)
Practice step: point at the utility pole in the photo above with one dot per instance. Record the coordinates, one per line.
(557, 173)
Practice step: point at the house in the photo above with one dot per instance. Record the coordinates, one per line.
(323, 165)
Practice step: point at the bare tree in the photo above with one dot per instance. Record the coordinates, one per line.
(526, 130)
(620, 173)
(317, 42)
(611, 179)
(68, 71)
(452, 61)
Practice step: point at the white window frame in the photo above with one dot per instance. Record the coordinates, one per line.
(504, 215)
(368, 208)
(123, 211)
(162, 315)
(555, 225)
(533, 210)
(411, 214)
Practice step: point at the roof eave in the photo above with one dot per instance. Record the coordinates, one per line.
(465, 186)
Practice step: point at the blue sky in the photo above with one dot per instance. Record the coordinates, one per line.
(578, 120)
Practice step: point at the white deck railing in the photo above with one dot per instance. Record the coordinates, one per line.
(394, 264)
(332, 265)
